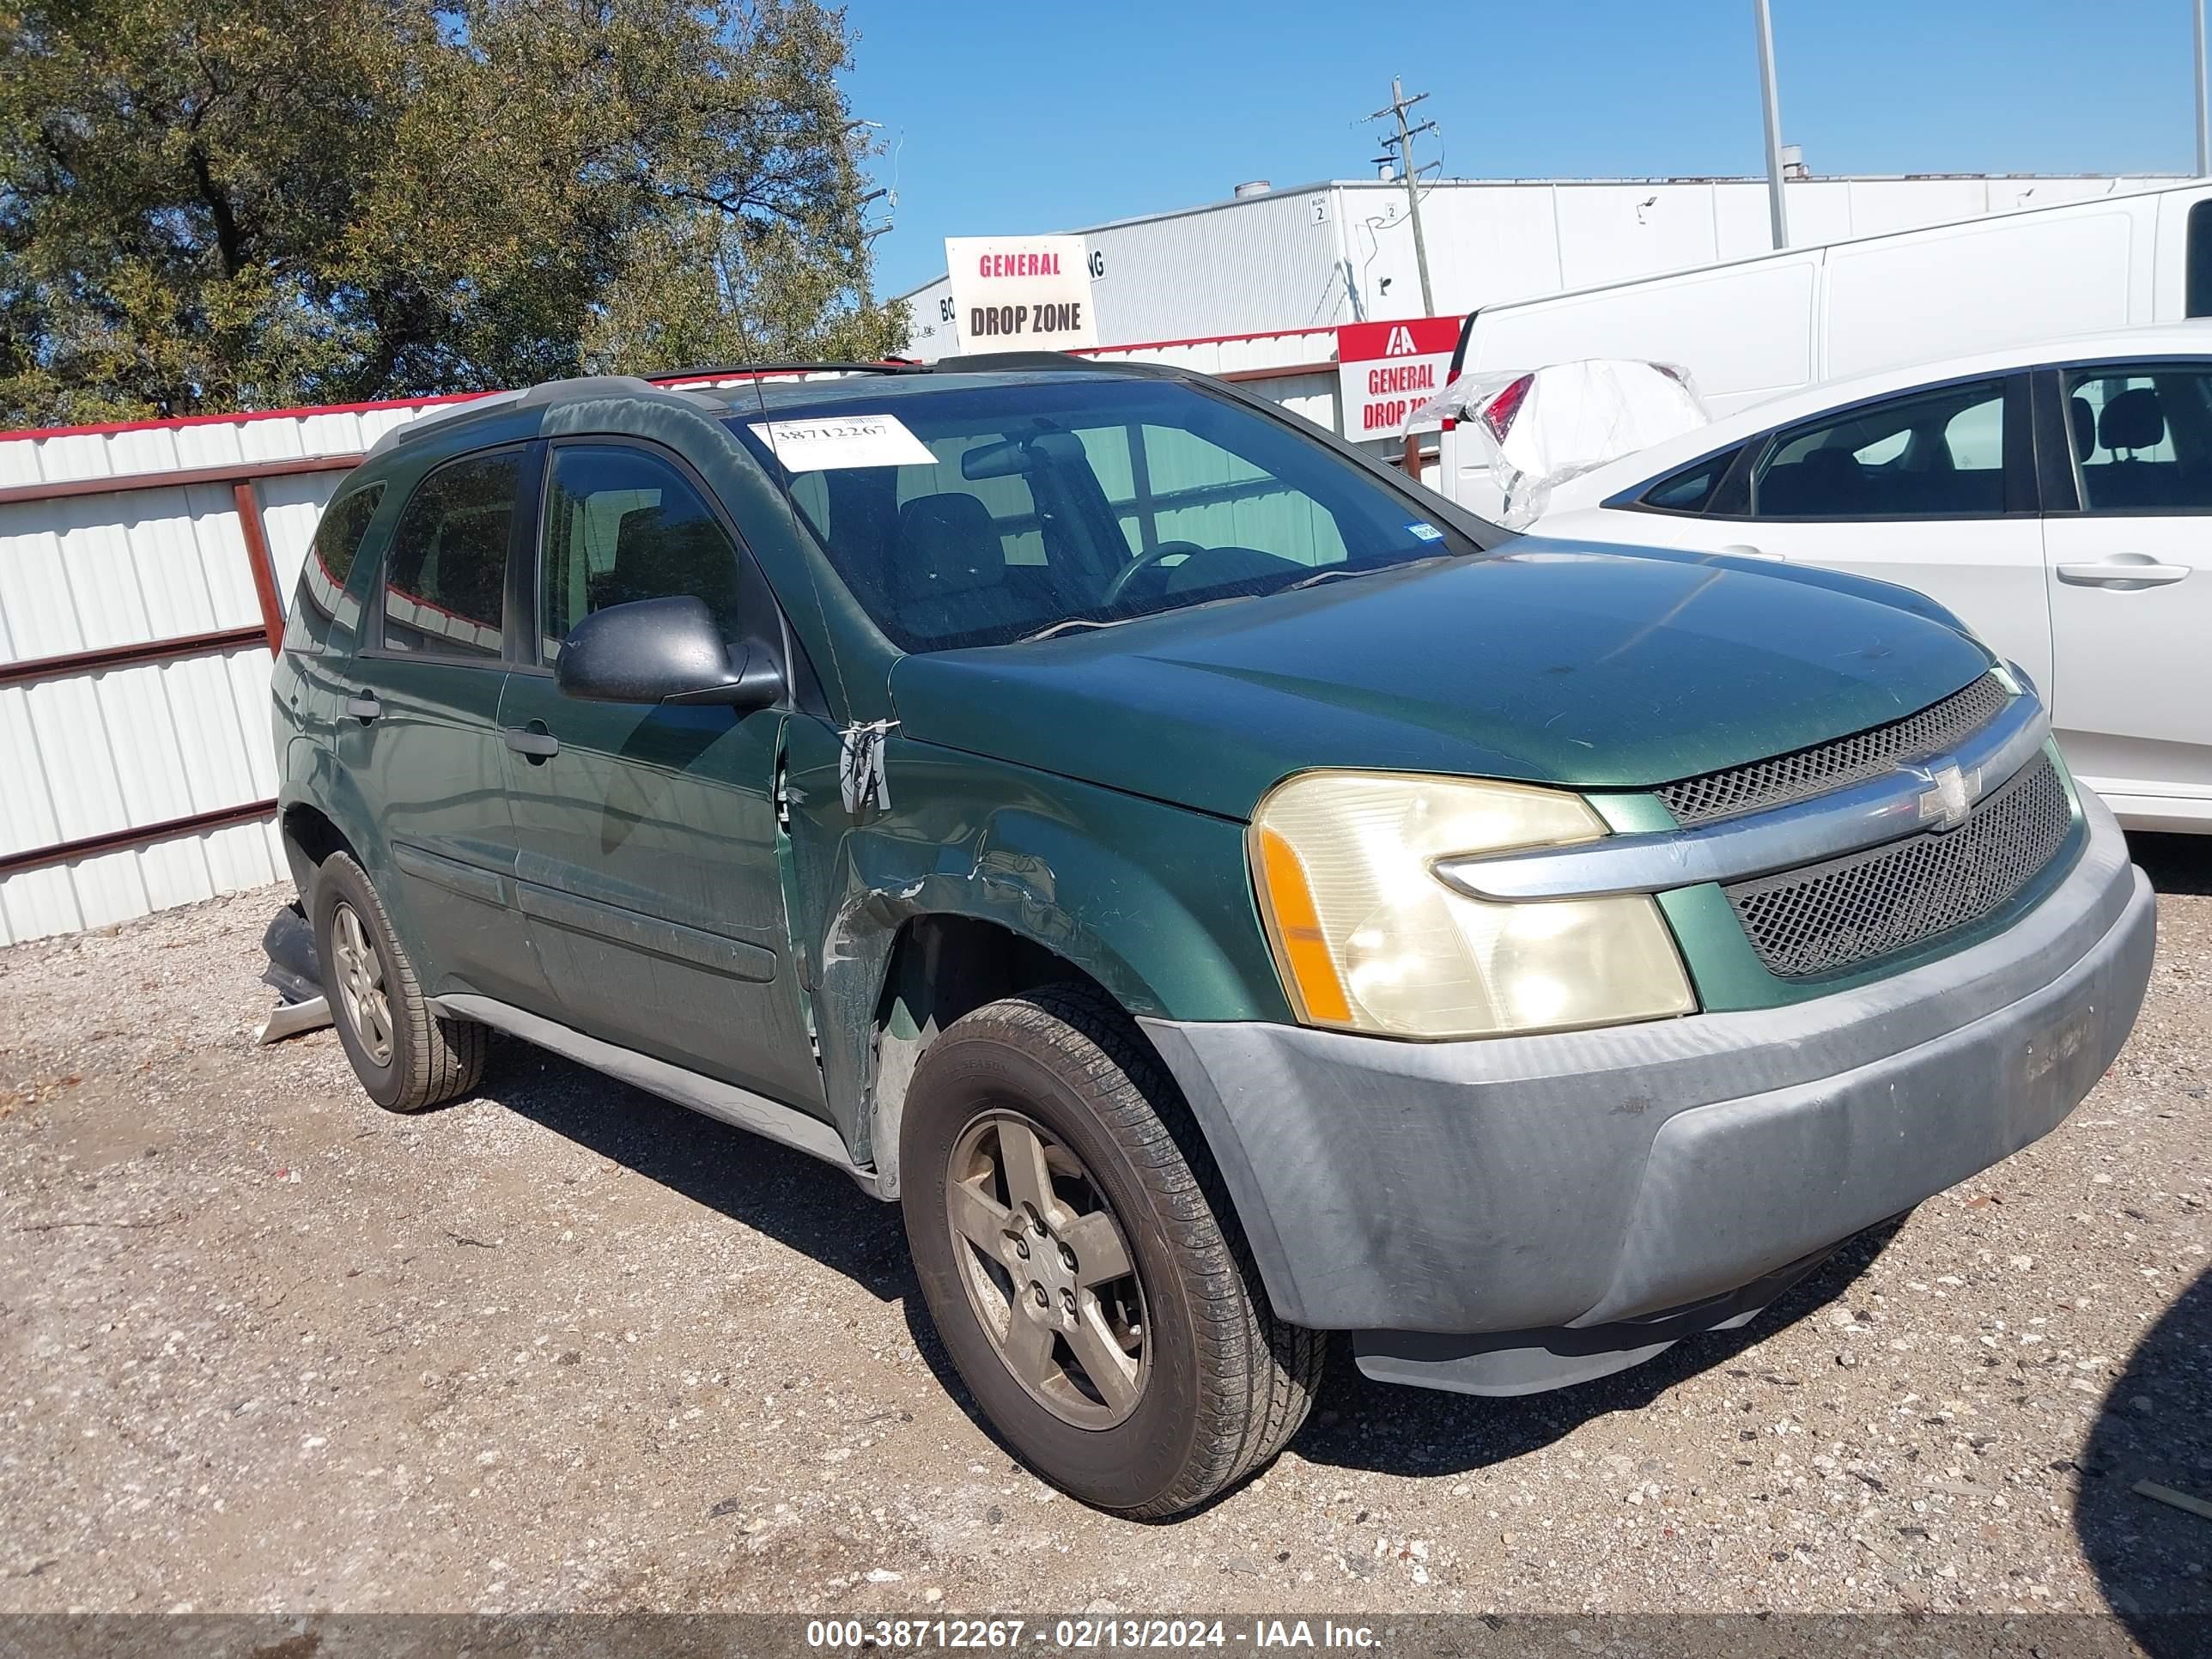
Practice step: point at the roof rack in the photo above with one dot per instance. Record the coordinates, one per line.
(724, 371)
(960, 362)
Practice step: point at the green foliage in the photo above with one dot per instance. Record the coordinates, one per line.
(215, 204)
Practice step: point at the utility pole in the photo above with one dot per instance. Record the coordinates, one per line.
(1775, 210)
(2203, 116)
(1402, 141)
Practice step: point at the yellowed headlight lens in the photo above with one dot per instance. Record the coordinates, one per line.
(1368, 937)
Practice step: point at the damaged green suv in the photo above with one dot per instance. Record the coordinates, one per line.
(1223, 893)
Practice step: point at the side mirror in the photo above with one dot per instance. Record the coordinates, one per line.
(660, 651)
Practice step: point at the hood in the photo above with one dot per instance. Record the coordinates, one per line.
(1546, 662)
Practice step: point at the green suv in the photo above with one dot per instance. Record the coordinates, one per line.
(1226, 894)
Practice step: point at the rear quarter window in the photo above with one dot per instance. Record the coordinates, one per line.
(1693, 489)
(325, 616)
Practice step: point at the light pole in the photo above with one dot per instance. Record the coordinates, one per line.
(2204, 118)
(1775, 208)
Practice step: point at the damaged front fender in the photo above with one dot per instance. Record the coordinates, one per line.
(1149, 900)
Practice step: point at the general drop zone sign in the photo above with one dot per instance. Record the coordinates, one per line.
(1021, 293)
(1385, 371)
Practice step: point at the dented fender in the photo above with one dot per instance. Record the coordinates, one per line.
(1150, 900)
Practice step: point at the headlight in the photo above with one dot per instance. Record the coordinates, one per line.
(1368, 937)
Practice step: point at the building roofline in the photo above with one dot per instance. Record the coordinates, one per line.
(2163, 178)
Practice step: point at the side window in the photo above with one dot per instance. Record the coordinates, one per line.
(1932, 454)
(2197, 300)
(320, 602)
(622, 524)
(1692, 489)
(2142, 438)
(445, 575)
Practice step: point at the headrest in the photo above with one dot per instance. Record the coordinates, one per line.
(2133, 420)
(1834, 477)
(637, 538)
(2082, 426)
(946, 544)
(657, 553)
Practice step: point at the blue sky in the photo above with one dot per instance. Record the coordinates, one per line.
(1048, 117)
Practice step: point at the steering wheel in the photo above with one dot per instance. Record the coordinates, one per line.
(1128, 572)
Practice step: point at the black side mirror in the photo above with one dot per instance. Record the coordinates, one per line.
(660, 651)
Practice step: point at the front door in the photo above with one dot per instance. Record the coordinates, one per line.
(1932, 490)
(2130, 574)
(419, 732)
(648, 833)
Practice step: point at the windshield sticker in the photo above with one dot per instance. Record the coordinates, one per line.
(1422, 530)
(829, 442)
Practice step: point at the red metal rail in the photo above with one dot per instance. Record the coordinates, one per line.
(116, 841)
(243, 479)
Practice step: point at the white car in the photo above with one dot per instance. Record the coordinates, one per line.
(2056, 497)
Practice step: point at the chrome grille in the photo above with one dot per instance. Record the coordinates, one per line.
(1826, 766)
(1820, 917)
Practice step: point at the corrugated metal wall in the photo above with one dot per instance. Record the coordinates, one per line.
(1317, 255)
(107, 749)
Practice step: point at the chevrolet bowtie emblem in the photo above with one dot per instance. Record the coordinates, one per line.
(1950, 795)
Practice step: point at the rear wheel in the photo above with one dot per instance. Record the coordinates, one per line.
(1083, 1264)
(406, 1054)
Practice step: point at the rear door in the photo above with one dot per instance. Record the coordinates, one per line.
(418, 731)
(649, 833)
(2128, 543)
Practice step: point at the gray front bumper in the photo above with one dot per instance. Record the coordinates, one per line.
(1581, 1180)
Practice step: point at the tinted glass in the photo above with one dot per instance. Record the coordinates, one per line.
(1690, 490)
(2198, 302)
(320, 601)
(2142, 438)
(446, 576)
(988, 514)
(623, 525)
(1934, 454)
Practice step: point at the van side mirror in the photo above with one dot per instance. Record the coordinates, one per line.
(667, 650)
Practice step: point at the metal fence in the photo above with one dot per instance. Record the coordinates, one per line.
(144, 572)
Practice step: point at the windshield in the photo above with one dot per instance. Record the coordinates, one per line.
(981, 514)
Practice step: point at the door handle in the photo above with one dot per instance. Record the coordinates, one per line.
(2124, 571)
(533, 741)
(364, 708)
(1746, 551)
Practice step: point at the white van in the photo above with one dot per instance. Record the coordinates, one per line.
(1754, 328)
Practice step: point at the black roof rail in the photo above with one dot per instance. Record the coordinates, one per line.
(962, 362)
(720, 371)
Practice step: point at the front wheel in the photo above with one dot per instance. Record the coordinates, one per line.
(1083, 1264)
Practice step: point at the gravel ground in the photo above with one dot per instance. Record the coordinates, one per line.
(263, 1348)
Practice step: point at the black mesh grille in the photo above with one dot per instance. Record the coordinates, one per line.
(1822, 917)
(1935, 730)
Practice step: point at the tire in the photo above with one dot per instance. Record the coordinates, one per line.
(1219, 1383)
(413, 1057)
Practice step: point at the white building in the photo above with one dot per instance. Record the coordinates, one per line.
(1314, 256)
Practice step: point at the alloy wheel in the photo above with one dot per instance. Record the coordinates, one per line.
(360, 983)
(1048, 1270)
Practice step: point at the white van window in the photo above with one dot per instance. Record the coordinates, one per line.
(1929, 454)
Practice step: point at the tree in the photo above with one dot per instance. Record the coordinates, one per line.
(212, 204)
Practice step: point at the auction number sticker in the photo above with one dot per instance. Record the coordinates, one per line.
(828, 442)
